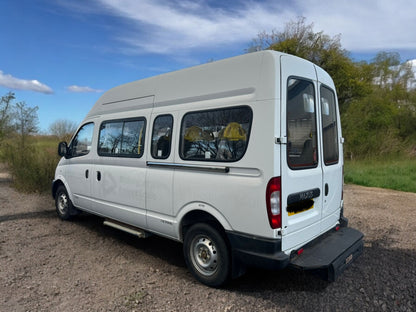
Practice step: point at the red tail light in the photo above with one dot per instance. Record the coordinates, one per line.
(273, 202)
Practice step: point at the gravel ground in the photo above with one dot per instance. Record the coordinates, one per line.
(50, 265)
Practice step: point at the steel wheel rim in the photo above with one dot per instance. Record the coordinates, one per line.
(204, 255)
(62, 203)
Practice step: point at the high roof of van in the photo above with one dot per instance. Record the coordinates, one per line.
(249, 74)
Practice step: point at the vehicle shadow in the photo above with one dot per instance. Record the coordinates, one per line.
(171, 252)
(44, 214)
(162, 248)
(382, 278)
(379, 272)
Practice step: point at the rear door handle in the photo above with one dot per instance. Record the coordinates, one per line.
(98, 175)
(326, 189)
(86, 174)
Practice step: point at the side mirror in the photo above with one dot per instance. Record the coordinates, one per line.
(63, 149)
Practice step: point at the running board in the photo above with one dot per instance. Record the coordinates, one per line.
(127, 228)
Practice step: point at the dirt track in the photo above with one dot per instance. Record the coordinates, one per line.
(50, 265)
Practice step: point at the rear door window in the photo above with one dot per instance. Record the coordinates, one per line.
(329, 126)
(301, 124)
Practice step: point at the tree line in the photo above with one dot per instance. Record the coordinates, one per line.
(377, 99)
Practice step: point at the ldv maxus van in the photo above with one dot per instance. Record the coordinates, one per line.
(241, 160)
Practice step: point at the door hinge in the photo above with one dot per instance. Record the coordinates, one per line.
(281, 140)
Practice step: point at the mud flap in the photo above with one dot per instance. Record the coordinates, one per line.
(329, 255)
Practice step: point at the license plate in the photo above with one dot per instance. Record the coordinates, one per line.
(292, 213)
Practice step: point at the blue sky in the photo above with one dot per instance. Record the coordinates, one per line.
(60, 55)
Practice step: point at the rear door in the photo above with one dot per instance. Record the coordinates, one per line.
(331, 151)
(301, 169)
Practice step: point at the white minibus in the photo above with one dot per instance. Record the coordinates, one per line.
(241, 160)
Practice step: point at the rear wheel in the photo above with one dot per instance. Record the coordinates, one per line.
(207, 255)
(63, 204)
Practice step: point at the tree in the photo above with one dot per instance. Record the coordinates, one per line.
(384, 120)
(385, 66)
(25, 120)
(299, 38)
(376, 99)
(5, 114)
(63, 128)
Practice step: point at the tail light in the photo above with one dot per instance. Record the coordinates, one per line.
(273, 202)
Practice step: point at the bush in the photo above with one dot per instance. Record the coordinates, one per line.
(32, 165)
(370, 127)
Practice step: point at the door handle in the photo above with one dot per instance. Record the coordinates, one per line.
(86, 174)
(326, 189)
(98, 175)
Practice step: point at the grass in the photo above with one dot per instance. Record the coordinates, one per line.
(391, 173)
(33, 164)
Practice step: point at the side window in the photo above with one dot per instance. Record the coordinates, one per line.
(216, 135)
(124, 138)
(162, 136)
(82, 142)
(301, 124)
(329, 126)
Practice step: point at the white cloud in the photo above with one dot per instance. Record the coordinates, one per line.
(14, 83)
(170, 27)
(365, 25)
(173, 27)
(78, 89)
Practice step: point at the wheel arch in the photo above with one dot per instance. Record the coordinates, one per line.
(201, 213)
(56, 184)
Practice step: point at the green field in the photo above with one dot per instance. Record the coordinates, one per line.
(392, 173)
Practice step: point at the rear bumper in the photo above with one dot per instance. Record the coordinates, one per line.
(257, 252)
(329, 254)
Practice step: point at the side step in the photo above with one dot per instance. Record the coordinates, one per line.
(127, 228)
(330, 254)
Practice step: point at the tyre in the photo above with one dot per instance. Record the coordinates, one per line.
(207, 255)
(63, 204)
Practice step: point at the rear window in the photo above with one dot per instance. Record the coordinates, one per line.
(329, 126)
(301, 124)
(216, 135)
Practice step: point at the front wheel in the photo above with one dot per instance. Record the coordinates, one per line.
(63, 204)
(207, 255)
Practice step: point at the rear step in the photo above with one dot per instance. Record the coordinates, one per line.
(330, 254)
(127, 228)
